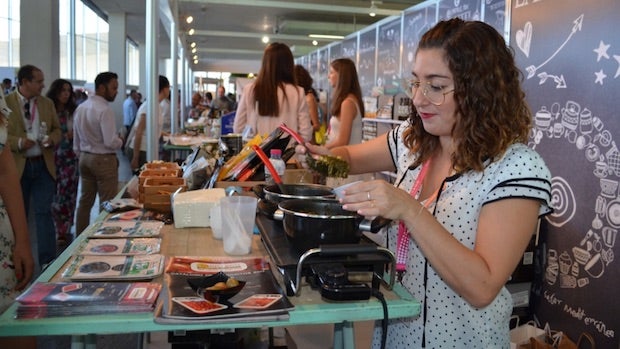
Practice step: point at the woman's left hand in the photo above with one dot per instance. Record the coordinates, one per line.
(378, 198)
(24, 265)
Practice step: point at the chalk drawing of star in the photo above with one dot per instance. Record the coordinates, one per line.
(617, 58)
(601, 51)
(600, 76)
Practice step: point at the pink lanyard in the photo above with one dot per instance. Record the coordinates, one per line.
(403, 233)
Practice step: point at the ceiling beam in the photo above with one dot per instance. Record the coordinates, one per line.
(231, 34)
(319, 27)
(298, 50)
(227, 50)
(307, 6)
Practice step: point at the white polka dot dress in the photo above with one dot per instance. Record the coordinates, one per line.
(447, 320)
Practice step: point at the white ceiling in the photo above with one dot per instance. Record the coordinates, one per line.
(228, 32)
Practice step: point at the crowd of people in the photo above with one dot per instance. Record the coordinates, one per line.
(205, 106)
(67, 137)
(466, 199)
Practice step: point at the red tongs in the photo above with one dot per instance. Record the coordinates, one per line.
(294, 134)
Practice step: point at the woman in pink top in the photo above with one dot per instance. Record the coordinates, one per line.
(273, 98)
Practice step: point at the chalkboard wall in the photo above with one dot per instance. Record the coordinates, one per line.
(388, 48)
(569, 52)
(415, 23)
(367, 56)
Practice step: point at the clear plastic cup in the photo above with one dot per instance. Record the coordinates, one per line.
(339, 191)
(238, 215)
(216, 221)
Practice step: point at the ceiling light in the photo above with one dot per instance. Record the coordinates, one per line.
(314, 42)
(191, 31)
(192, 45)
(189, 19)
(194, 50)
(265, 39)
(195, 57)
(195, 61)
(373, 9)
(322, 36)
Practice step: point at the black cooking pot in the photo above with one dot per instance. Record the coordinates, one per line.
(271, 195)
(309, 223)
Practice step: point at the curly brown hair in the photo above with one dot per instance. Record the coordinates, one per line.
(54, 93)
(491, 109)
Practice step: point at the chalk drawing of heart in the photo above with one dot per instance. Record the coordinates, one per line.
(524, 38)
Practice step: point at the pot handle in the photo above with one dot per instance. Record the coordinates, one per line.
(346, 249)
(258, 190)
(278, 215)
(374, 225)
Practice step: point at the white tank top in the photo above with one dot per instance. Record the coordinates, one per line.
(356, 128)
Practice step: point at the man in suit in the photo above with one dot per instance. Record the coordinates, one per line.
(33, 132)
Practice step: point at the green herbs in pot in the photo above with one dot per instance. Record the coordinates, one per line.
(329, 166)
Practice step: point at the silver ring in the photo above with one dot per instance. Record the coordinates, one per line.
(368, 193)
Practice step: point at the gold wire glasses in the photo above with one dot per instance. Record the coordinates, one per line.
(434, 94)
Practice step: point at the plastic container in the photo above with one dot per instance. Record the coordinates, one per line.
(43, 136)
(238, 214)
(276, 160)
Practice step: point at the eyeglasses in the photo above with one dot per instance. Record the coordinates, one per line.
(434, 94)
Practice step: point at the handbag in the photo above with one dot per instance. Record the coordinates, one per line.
(559, 340)
(520, 335)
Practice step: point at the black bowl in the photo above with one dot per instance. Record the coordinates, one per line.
(201, 286)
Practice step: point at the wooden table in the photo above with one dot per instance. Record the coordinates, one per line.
(309, 308)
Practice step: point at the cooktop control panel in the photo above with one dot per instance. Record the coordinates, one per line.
(334, 283)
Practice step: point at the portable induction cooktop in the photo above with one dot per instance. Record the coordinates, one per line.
(319, 265)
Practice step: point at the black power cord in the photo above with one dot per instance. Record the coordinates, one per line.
(384, 323)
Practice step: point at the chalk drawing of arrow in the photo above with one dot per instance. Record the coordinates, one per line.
(577, 24)
(559, 80)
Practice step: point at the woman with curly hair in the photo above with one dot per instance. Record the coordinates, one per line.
(468, 192)
(67, 178)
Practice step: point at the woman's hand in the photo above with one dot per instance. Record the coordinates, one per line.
(135, 162)
(379, 198)
(302, 150)
(24, 265)
(316, 149)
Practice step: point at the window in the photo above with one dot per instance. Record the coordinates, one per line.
(91, 43)
(9, 33)
(133, 64)
(66, 41)
(83, 41)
